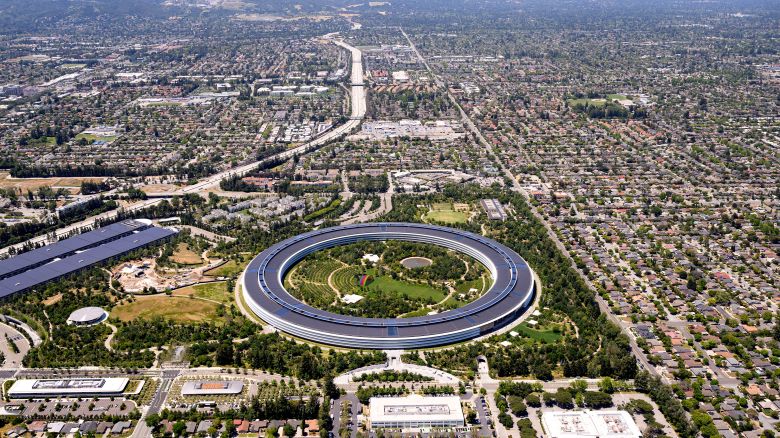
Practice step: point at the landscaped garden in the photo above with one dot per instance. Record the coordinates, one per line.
(387, 279)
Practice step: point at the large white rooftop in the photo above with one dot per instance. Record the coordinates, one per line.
(415, 409)
(87, 315)
(596, 424)
(67, 387)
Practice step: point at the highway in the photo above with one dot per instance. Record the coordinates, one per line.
(358, 112)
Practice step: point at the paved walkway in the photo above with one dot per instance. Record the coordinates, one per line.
(395, 364)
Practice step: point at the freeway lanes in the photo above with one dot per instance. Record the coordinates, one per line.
(358, 112)
(357, 103)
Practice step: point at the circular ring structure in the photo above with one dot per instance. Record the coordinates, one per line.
(512, 292)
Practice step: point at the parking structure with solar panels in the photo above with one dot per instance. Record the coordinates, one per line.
(69, 256)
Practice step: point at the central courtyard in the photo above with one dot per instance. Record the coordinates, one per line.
(387, 279)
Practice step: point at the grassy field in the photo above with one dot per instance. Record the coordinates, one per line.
(413, 290)
(210, 291)
(446, 213)
(179, 309)
(546, 336)
(185, 256)
(93, 137)
(25, 184)
(43, 141)
(583, 101)
(597, 101)
(345, 281)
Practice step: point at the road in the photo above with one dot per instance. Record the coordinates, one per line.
(516, 187)
(86, 223)
(142, 430)
(11, 334)
(358, 112)
(386, 204)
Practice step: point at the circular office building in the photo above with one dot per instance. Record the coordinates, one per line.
(511, 294)
(87, 316)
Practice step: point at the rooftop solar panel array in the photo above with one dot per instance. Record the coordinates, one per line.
(73, 263)
(510, 295)
(64, 248)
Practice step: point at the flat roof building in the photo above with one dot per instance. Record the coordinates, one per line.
(52, 388)
(212, 387)
(494, 209)
(596, 424)
(57, 250)
(415, 412)
(75, 256)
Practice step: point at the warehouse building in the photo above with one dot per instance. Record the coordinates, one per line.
(54, 388)
(415, 412)
(60, 259)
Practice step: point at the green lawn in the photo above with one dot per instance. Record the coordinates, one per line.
(413, 290)
(210, 291)
(597, 101)
(546, 336)
(419, 312)
(478, 284)
(447, 216)
(593, 102)
(49, 141)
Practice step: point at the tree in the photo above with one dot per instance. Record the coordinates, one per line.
(607, 385)
(178, 428)
(597, 399)
(564, 399)
(153, 420)
(329, 388)
(225, 353)
(578, 386)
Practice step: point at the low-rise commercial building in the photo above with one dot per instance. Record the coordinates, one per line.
(415, 412)
(53, 388)
(595, 424)
(212, 387)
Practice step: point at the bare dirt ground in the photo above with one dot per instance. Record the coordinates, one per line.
(24, 184)
(159, 188)
(136, 275)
